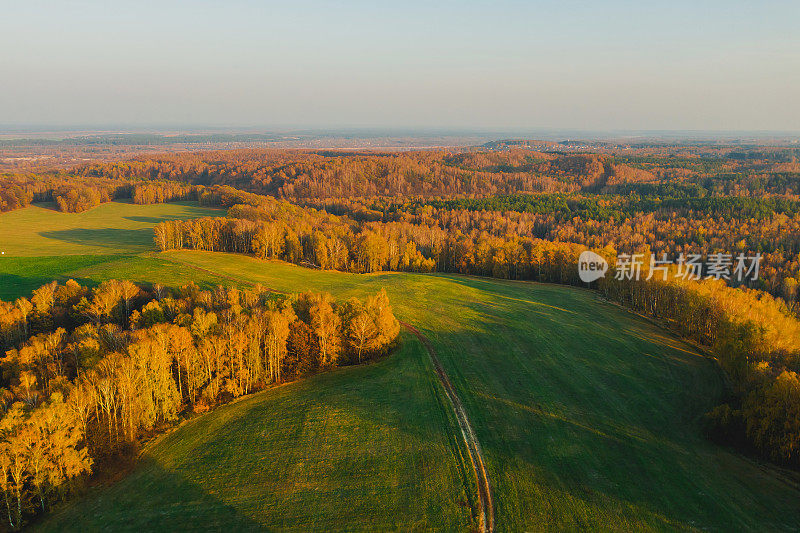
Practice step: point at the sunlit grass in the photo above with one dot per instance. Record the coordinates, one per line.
(112, 228)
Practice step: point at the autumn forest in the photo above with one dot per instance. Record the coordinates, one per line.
(91, 372)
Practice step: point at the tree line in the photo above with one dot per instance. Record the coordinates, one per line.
(595, 222)
(299, 175)
(72, 194)
(89, 372)
(603, 207)
(273, 229)
(502, 244)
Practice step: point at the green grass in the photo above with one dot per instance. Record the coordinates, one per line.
(112, 228)
(588, 417)
(40, 244)
(20, 275)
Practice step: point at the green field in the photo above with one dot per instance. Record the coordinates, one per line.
(40, 244)
(112, 228)
(588, 417)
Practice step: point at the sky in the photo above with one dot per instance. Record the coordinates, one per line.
(602, 66)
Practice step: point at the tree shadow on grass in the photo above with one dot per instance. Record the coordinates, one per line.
(321, 447)
(13, 286)
(283, 459)
(151, 220)
(105, 237)
(50, 206)
(156, 220)
(21, 275)
(151, 498)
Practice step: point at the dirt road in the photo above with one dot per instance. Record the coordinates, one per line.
(486, 509)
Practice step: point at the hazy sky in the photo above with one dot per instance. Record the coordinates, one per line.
(723, 65)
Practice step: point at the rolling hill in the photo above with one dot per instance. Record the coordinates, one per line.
(588, 417)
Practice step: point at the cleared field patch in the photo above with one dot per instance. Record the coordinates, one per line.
(20, 275)
(41, 244)
(111, 228)
(589, 419)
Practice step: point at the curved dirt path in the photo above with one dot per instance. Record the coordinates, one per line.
(473, 446)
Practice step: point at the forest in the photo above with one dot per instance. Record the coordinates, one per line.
(89, 372)
(667, 199)
(74, 195)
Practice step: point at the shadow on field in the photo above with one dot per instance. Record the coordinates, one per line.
(105, 237)
(50, 206)
(352, 447)
(20, 275)
(13, 286)
(357, 395)
(129, 505)
(156, 220)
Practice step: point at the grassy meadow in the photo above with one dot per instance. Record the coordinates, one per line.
(588, 416)
(39, 243)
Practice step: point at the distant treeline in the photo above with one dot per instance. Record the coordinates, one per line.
(73, 195)
(405, 176)
(303, 175)
(89, 371)
(632, 200)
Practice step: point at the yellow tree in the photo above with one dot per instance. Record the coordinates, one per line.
(276, 331)
(362, 333)
(180, 343)
(128, 291)
(386, 325)
(25, 307)
(326, 325)
(81, 402)
(14, 462)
